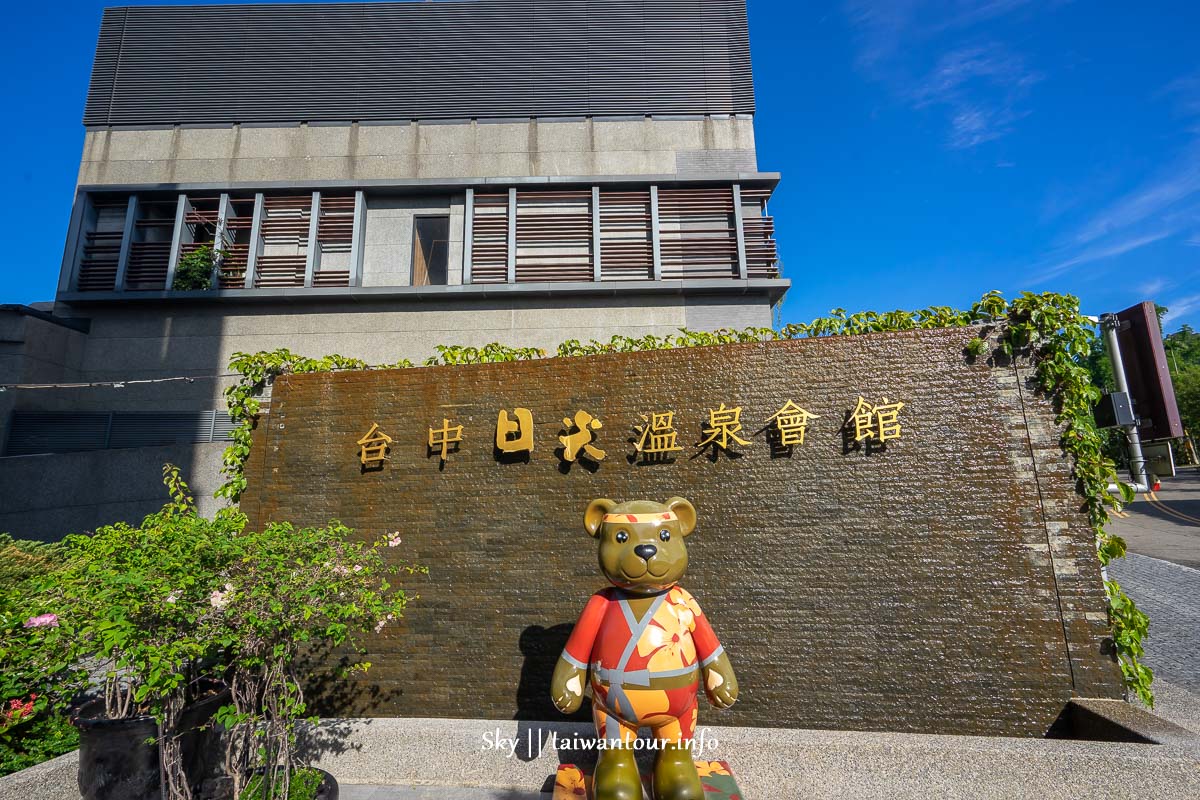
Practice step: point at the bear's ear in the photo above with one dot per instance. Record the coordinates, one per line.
(593, 518)
(686, 513)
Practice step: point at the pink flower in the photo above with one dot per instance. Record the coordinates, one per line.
(218, 599)
(393, 540)
(42, 621)
(358, 568)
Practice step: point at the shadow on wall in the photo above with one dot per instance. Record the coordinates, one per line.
(94, 469)
(541, 648)
(329, 685)
(55, 494)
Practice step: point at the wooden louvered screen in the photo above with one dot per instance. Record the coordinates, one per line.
(239, 219)
(150, 250)
(285, 242)
(697, 238)
(554, 236)
(762, 258)
(102, 247)
(489, 239)
(335, 230)
(626, 239)
(200, 225)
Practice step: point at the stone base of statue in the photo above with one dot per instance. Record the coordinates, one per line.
(571, 783)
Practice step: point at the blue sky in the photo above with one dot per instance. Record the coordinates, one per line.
(930, 151)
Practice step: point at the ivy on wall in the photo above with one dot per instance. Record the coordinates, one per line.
(1046, 329)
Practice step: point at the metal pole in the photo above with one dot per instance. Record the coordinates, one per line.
(1137, 461)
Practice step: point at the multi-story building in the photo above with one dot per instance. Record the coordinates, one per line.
(377, 179)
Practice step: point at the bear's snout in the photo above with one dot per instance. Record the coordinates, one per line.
(645, 551)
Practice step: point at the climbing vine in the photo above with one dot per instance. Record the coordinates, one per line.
(1045, 329)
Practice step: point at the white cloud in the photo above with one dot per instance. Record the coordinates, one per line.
(888, 26)
(1177, 182)
(1164, 205)
(1184, 92)
(1180, 308)
(980, 85)
(1063, 262)
(1152, 288)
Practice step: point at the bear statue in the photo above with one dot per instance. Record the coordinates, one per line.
(647, 645)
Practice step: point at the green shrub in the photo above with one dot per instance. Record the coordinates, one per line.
(194, 271)
(32, 729)
(40, 737)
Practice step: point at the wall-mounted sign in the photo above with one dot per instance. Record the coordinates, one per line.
(656, 438)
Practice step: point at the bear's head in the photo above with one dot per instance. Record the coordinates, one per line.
(641, 542)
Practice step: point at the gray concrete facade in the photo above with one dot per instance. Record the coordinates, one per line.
(305, 154)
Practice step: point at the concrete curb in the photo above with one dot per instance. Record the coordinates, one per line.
(768, 762)
(56, 779)
(781, 762)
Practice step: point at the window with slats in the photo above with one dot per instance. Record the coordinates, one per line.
(284, 257)
(150, 248)
(489, 239)
(554, 236)
(335, 231)
(626, 238)
(762, 257)
(101, 250)
(235, 242)
(697, 236)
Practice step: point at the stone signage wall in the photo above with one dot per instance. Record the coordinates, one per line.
(946, 583)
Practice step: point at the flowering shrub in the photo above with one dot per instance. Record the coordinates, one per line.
(294, 595)
(30, 733)
(16, 711)
(151, 610)
(34, 680)
(131, 603)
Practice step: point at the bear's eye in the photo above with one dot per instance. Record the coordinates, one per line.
(665, 535)
(622, 537)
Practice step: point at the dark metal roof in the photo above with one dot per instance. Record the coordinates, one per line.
(432, 60)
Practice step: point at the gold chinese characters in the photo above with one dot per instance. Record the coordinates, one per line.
(443, 437)
(585, 426)
(657, 436)
(879, 422)
(373, 447)
(520, 429)
(723, 425)
(791, 422)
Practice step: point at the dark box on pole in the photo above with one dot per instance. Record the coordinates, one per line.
(1149, 380)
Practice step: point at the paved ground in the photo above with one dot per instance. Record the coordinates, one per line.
(1166, 525)
(1160, 573)
(1170, 594)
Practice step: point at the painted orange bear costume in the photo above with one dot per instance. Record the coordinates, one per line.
(627, 655)
(647, 646)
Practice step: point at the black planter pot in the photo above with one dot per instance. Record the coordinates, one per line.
(328, 790)
(115, 760)
(118, 759)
